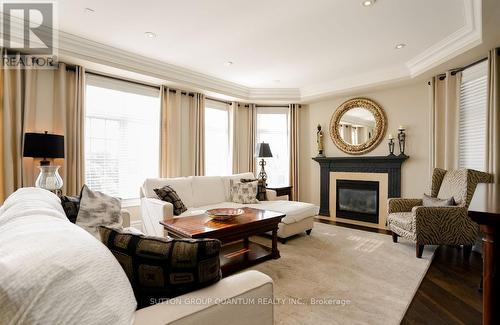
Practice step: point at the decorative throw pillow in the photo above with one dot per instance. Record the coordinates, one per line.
(429, 201)
(261, 187)
(245, 193)
(168, 194)
(71, 206)
(163, 268)
(98, 209)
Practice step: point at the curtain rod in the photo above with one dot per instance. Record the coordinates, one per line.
(453, 72)
(185, 93)
(277, 106)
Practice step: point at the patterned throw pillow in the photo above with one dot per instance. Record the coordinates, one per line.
(429, 201)
(161, 268)
(245, 193)
(98, 209)
(168, 194)
(71, 206)
(261, 187)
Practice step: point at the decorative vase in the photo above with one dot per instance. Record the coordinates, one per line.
(49, 178)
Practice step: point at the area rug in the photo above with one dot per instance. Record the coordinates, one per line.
(340, 275)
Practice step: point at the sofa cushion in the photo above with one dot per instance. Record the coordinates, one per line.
(243, 192)
(261, 187)
(97, 209)
(71, 206)
(168, 194)
(163, 268)
(295, 211)
(54, 272)
(402, 220)
(454, 185)
(236, 177)
(182, 185)
(207, 190)
(429, 201)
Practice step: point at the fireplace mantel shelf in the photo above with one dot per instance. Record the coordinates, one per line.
(390, 165)
(365, 159)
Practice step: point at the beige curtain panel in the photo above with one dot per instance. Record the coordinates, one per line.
(198, 124)
(294, 150)
(444, 103)
(12, 128)
(493, 131)
(69, 120)
(182, 145)
(244, 133)
(174, 120)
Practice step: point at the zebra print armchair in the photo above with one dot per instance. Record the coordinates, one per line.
(448, 225)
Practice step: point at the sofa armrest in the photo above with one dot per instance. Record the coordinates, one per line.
(402, 205)
(241, 299)
(271, 195)
(125, 218)
(153, 211)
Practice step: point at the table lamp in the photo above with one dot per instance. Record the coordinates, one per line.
(45, 145)
(263, 151)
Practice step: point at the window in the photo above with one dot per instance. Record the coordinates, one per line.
(272, 127)
(122, 136)
(218, 159)
(472, 117)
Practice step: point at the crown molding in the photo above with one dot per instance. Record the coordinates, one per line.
(357, 82)
(464, 39)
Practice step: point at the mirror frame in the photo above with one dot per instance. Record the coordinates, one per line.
(380, 126)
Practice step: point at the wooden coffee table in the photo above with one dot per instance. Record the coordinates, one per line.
(238, 252)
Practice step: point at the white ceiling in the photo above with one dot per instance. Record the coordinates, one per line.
(313, 47)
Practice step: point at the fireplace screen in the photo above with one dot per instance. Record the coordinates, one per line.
(357, 200)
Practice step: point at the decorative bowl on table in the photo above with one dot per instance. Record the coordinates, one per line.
(222, 214)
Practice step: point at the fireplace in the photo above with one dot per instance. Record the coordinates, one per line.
(357, 200)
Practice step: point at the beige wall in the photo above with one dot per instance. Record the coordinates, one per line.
(407, 105)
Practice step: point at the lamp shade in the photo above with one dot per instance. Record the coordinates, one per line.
(263, 150)
(43, 145)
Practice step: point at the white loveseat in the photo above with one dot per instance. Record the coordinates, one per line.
(54, 272)
(200, 193)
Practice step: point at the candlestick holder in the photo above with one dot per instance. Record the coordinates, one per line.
(402, 141)
(391, 147)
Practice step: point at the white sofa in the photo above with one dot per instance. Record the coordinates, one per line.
(54, 272)
(200, 193)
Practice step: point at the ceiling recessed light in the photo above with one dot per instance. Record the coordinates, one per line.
(276, 80)
(400, 46)
(367, 3)
(149, 35)
(89, 10)
(228, 63)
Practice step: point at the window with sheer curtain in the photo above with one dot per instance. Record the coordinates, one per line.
(218, 159)
(473, 112)
(122, 136)
(272, 127)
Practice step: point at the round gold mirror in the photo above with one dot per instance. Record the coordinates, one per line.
(358, 125)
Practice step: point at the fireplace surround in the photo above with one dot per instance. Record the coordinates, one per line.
(390, 165)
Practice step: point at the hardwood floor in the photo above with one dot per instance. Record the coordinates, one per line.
(448, 294)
